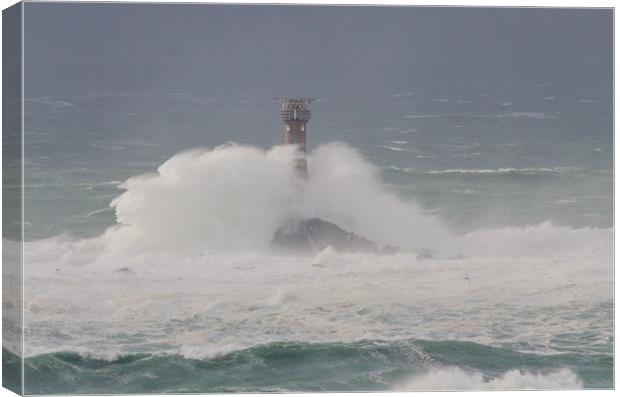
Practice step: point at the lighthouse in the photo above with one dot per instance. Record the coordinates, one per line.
(295, 113)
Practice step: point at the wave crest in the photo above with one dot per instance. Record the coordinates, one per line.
(507, 171)
(454, 378)
(233, 198)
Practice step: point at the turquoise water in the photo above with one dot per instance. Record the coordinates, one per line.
(291, 366)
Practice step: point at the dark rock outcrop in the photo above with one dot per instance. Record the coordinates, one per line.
(310, 236)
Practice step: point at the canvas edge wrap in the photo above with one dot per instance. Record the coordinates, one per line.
(12, 203)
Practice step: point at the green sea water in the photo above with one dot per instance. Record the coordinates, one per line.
(292, 366)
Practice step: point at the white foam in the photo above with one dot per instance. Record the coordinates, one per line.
(186, 267)
(51, 102)
(529, 115)
(393, 148)
(454, 378)
(520, 279)
(506, 170)
(200, 352)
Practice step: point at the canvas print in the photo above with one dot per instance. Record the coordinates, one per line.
(282, 198)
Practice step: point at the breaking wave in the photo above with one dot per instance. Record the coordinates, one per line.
(454, 378)
(367, 365)
(233, 198)
(183, 283)
(506, 171)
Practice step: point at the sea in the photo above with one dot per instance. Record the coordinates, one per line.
(148, 218)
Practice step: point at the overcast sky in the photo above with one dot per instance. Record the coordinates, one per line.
(290, 49)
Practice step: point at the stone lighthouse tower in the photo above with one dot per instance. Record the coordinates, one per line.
(295, 113)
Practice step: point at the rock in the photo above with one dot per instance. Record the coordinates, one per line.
(311, 236)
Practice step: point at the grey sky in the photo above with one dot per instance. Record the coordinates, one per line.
(315, 50)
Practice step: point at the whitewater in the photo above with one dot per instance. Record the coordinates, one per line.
(186, 282)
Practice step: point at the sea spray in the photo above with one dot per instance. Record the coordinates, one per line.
(454, 378)
(185, 275)
(228, 199)
(233, 198)
(346, 189)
